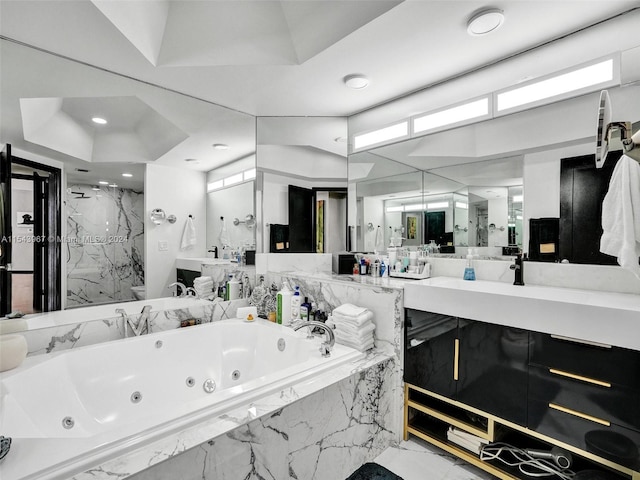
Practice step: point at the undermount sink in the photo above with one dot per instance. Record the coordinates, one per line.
(602, 317)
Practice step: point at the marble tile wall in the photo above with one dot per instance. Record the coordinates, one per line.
(104, 243)
(324, 436)
(64, 337)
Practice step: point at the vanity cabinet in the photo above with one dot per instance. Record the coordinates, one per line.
(477, 363)
(587, 395)
(529, 389)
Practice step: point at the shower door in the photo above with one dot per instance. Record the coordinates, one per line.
(5, 231)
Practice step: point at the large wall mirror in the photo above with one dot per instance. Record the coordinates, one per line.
(155, 151)
(477, 185)
(301, 186)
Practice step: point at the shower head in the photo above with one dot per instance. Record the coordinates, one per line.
(82, 195)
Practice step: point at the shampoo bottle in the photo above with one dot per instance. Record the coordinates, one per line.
(305, 309)
(296, 301)
(469, 271)
(283, 305)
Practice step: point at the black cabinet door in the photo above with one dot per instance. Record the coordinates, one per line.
(493, 369)
(429, 351)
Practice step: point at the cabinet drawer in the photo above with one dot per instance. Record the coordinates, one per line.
(610, 402)
(614, 442)
(609, 364)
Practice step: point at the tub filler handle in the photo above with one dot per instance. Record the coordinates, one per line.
(325, 348)
(143, 321)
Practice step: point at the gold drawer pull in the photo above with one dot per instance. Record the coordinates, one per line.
(580, 414)
(562, 373)
(456, 357)
(583, 342)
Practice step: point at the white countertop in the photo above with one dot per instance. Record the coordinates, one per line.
(196, 263)
(603, 317)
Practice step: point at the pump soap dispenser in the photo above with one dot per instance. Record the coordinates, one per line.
(469, 271)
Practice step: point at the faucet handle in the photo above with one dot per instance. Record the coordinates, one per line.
(325, 349)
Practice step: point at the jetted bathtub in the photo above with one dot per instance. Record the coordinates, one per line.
(67, 411)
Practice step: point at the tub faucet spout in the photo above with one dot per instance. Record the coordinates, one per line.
(143, 321)
(325, 348)
(182, 286)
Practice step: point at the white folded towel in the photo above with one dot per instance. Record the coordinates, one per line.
(621, 215)
(202, 280)
(357, 321)
(189, 234)
(362, 347)
(346, 329)
(349, 310)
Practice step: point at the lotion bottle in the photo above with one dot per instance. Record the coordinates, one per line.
(296, 301)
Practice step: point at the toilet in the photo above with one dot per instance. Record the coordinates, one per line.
(139, 292)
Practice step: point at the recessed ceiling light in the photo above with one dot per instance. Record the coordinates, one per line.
(102, 182)
(95, 187)
(127, 175)
(221, 146)
(485, 22)
(340, 139)
(192, 160)
(356, 81)
(99, 120)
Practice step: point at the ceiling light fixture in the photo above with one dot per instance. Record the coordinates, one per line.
(485, 22)
(221, 146)
(356, 81)
(574, 82)
(95, 187)
(454, 115)
(381, 135)
(113, 185)
(102, 182)
(99, 120)
(127, 175)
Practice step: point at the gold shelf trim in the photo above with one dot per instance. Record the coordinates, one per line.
(580, 414)
(451, 420)
(593, 381)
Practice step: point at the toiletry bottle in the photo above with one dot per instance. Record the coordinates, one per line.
(305, 309)
(283, 305)
(295, 305)
(226, 288)
(233, 288)
(383, 269)
(469, 271)
(363, 266)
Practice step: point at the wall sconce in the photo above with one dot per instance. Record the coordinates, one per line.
(249, 221)
(493, 228)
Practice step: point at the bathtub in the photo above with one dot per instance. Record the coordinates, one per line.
(68, 411)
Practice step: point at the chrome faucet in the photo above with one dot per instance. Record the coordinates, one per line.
(518, 268)
(183, 288)
(325, 348)
(142, 321)
(191, 291)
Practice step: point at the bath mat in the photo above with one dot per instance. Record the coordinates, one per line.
(373, 471)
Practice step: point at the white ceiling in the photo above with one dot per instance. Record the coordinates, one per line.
(261, 57)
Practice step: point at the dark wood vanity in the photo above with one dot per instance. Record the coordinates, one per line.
(529, 389)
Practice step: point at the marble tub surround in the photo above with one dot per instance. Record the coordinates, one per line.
(383, 296)
(106, 326)
(322, 429)
(105, 239)
(351, 423)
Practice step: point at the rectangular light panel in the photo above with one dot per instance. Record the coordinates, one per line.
(558, 85)
(381, 135)
(450, 116)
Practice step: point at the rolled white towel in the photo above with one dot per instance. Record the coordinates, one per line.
(357, 321)
(349, 310)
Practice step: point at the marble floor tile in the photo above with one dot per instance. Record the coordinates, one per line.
(417, 460)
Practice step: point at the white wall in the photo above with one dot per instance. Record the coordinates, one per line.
(374, 214)
(178, 192)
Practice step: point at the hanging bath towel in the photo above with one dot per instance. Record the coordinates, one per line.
(189, 234)
(224, 236)
(621, 215)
